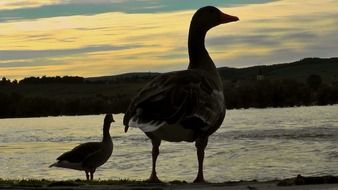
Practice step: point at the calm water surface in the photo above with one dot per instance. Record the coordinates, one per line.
(258, 144)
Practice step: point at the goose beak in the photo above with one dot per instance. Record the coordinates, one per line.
(225, 18)
(126, 128)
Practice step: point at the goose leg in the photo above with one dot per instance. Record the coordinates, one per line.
(200, 145)
(155, 152)
(87, 175)
(92, 174)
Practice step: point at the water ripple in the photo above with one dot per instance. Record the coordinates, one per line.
(260, 144)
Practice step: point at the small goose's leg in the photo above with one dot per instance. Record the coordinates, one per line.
(200, 145)
(92, 174)
(87, 175)
(155, 152)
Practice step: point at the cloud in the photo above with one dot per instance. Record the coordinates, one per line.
(59, 8)
(19, 4)
(115, 42)
(294, 46)
(254, 40)
(29, 63)
(34, 54)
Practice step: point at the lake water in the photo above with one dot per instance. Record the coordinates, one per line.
(261, 144)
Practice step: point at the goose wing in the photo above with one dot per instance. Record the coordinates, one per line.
(81, 152)
(189, 98)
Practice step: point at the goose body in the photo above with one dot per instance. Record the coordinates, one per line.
(178, 106)
(89, 156)
(183, 105)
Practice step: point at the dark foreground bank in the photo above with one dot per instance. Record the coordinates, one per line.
(297, 183)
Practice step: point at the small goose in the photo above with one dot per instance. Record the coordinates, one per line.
(183, 105)
(89, 156)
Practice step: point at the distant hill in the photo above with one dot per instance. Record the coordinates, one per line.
(124, 77)
(298, 70)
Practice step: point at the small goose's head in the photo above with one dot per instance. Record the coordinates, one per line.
(207, 17)
(109, 118)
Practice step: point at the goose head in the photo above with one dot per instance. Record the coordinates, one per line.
(208, 17)
(108, 119)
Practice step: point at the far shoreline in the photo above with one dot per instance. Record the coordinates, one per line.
(233, 109)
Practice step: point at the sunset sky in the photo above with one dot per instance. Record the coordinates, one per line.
(107, 37)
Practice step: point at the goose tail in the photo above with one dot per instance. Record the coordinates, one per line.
(145, 126)
(53, 165)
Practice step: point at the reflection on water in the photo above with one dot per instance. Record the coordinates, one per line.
(258, 144)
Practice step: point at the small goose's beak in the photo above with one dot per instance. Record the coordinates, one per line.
(126, 128)
(225, 18)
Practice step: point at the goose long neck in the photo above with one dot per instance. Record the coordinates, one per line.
(106, 134)
(196, 44)
(198, 54)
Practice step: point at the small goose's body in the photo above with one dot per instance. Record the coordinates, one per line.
(89, 156)
(183, 105)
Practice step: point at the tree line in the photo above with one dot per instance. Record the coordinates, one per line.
(280, 93)
(114, 98)
(138, 77)
(20, 105)
(44, 80)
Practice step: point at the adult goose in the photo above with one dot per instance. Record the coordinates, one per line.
(89, 156)
(183, 105)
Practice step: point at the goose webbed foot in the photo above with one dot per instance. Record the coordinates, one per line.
(200, 179)
(153, 179)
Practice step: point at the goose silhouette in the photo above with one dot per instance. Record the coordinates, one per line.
(183, 105)
(89, 156)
